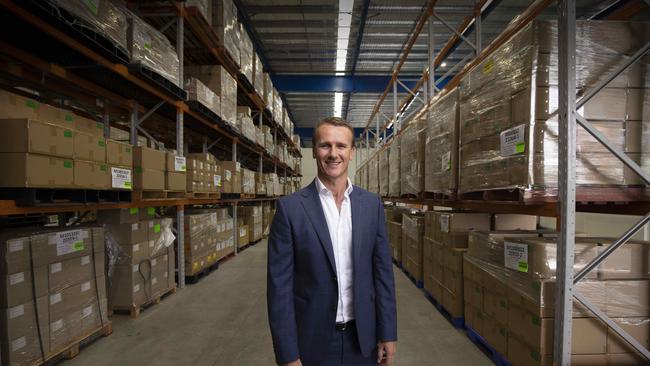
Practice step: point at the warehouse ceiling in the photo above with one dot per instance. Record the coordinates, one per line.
(309, 37)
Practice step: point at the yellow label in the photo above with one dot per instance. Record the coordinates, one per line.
(487, 68)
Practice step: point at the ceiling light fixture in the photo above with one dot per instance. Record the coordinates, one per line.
(342, 42)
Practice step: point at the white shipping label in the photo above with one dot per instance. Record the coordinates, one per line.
(18, 343)
(16, 278)
(55, 299)
(85, 286)
(56, 267)
(136, 248)
(228, 175)
(135, 268)
(57, 325)
(242, 232)
(121, 178)
(238, 166)
(150, 224)
(16, 245)
(134, 227)
(136, 288)
(16, 311)
(151, 243)
(154, 262)
(444, 223)
(154, 281)
(70, 241)
(513, 141)
(217, 180)
(515, 256)
(87, 311)
(445, 161)
(180, 164)
(85, 260)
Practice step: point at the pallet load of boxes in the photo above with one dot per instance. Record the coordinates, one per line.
(494, 137)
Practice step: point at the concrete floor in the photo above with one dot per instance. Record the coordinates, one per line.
(221, 321)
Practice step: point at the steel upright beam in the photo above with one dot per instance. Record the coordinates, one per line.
(395, 105)
(133, 132)
(478, 27)
(180, 212)
(235, 230)
(567, 175)
(431, 60)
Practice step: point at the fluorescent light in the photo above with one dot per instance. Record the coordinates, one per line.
(338, 104)
(443, 64)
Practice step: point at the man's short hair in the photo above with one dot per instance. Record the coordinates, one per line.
(334, 121)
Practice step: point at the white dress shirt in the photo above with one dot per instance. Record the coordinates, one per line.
(339, 225)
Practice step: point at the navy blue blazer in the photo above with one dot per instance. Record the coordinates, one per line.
(302, 288)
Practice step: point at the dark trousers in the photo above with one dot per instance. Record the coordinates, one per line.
(344, 350)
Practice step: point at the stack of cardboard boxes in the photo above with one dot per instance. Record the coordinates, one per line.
(412, 158)
(384, 173)
(441, 150)
(52, 293)
(217, 79)
(232, 176)
(203, 174)
(511, 298)
(242, 239)
(267, 217)
(175, 172)
(245, 123)
(394, 227)
(148, 169)
(373, 174)
(260, 183)
(258, 75)
(46, 147)
(252, 218)
(394, 168)
(224, 23)
(248, 181)
(208, 238)
(197, 91)
(245, 54)
(145, 265)
(412, 236)
(268, 92)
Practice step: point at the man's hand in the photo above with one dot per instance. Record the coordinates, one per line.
(386, 353)
(294, 363)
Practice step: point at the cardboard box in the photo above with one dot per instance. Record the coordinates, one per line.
(496, 334)
(56, 246)
(14, 251)
(148, 158)
(16, 288)
(119, 154)
(175, 163)
(131, 288)
(147, 213)
(629, 261)
(232, 180)
(453, 303)
(89, 147)
(175, 181)
(57, 276)
(20, 339)
(451, 223)
(88, 126)
(34, 171)
(88, 174)
(126, 234)
(639, 328)
(514, 222)
(243, 238)
(134, 253)
(148, 179)
(31, 136)
(120, 216)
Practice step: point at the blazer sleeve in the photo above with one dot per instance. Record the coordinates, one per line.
(385, 302)
(280, 288)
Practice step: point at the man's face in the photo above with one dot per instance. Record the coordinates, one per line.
(333, 150)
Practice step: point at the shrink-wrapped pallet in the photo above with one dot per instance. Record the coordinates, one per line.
(394, 168)
(441, 150)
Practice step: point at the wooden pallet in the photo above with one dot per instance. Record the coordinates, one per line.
(71, 350)
(143, 195)
(584, 194)
(57, 196)
(203, 195)
(134, 310)
(439, 196)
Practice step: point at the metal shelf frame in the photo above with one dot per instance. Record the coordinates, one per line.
(566, 207)
(35, 70)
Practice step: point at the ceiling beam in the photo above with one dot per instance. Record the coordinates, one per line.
(288, 83)
(357, 49)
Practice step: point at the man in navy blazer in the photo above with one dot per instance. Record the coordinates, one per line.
(330, 290)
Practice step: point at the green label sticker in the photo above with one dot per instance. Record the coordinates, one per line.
(522, 267)
(520, 147)
(103, 168)
(147, 46)
(68, 117)
(151, 211)
(92, 5)
(67, 164)
(536, 320)
(156, 228)
(487, 68)
(534, 355)
(127, 184)
(101, 143)
(77, 246)
(128, 149)
(138, 170)
(134, 210)
(31, 104)
(67, 133)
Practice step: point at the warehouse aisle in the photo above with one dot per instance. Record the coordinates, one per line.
(222, 321)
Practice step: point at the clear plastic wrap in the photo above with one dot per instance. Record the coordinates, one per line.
(395, 239)
(394, 166)
(412, 243)
(252, 217)
(296, 140)
(101, 15)
(384, 173)
(204, 6)
(373, 174)
(248, 181)
(151, 48)
(197, 91)
(245, 54)
(223, 84)
(54, 291)
(412, 157)
(224, 23)
(441, 151)
(488, 245)
(268, 92)
(277, 107)
(509, 106)
(258, 75)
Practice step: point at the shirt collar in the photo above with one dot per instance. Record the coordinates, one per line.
(322, 189)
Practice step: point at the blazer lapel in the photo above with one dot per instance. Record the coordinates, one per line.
(314, 209)
(357, 216)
